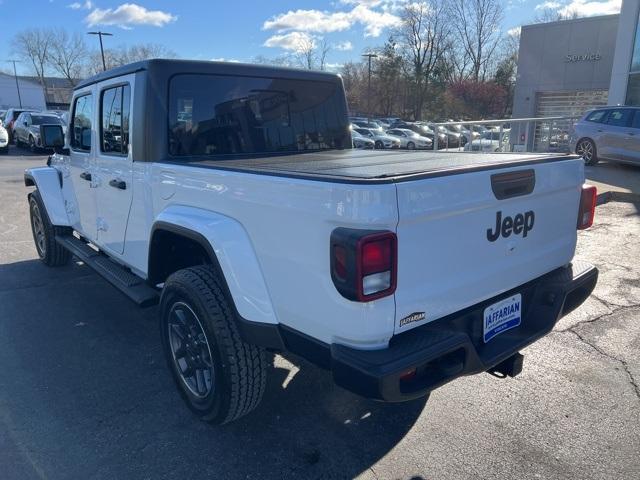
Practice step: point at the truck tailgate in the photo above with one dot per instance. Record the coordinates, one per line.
(452, 254)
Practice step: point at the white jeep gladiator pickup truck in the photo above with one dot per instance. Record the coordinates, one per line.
(230, 195)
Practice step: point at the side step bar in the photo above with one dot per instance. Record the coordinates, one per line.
(128, 283)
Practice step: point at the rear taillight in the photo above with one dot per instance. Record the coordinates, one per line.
(587, 209)
(363, 263)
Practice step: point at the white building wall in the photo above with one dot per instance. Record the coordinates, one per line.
(32, 94)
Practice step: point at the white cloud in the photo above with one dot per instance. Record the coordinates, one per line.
(548, 5)
(583, 8)
(308, 21)
(368, 3)
(128, 14)
(77, 5)
(589, 8)
(514, 32)
(374, 22)
(222, 59)
(316, 21)
(293, 41)
(344, 46)
(333, 67)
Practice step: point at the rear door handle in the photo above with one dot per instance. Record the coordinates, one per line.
(117, 183)
(85, 176)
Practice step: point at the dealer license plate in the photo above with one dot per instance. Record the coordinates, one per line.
(502, 316)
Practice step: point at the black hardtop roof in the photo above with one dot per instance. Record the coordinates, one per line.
(167, 68)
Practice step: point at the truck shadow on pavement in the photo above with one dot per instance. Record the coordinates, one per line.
(86, 393)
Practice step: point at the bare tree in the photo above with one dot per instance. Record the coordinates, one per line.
(306, 53)
(32, 46)
(323, 50)
(547, 15)
(68, 54)
(477, 24)
(115, 57)
(423, 37)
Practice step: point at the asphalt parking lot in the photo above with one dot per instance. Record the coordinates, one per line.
(84, 392)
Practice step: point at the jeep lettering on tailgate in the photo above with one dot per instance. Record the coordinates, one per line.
(522, 223)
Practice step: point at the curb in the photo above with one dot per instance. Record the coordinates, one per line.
(624, 197)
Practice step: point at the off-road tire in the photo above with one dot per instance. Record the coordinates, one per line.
(240, 368)
(49, 251)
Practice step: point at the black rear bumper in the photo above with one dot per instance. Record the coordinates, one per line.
(453, 346)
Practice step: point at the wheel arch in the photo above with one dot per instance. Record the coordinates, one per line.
(48, 181)
(225, 246)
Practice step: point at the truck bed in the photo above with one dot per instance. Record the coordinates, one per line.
(366, 166)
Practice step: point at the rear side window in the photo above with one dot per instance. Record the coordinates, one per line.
(221, 115)
(620, 117)
(81, 123)
(636, 119)
(597, 116)
(114, 128)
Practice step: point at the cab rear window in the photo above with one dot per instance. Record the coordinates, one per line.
(211, 115)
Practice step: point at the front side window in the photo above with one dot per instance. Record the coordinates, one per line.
(114, 128)
(81, 123)
(619, 118)
(598, 116)
(221, 115)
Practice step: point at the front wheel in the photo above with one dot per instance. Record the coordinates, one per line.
(219, 375)
(411, 146)
(379, 145)
(44, 234)
(587, 150)
(33, 148)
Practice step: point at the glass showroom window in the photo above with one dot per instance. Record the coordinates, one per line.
(633, 87)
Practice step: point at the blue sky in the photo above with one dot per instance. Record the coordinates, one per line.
(241, 30)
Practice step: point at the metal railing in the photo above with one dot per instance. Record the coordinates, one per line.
(541, 135)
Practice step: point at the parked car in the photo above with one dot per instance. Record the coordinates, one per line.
(360, 141)
(4, 139)
(490, 141)
(371, 125)
(410, 139)
(26, 128)
(611, 133)
(468, 134)
(10, 117)
(382, 140)
(423, 130)
(452, 139)
(397, 274)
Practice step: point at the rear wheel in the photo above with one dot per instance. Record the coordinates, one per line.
(49, 251)
(587, 150)
(220, 377)
(411, 146)
(32, 145)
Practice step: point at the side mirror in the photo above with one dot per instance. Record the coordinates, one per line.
(52, 136)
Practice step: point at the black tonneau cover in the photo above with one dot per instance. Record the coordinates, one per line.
(362, 166)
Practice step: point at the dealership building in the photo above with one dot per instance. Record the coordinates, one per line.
(567, 67)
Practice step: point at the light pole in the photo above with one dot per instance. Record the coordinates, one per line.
(15, 75)
(100, 35)
(370, 56)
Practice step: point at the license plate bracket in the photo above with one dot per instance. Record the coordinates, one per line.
(501, 316)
